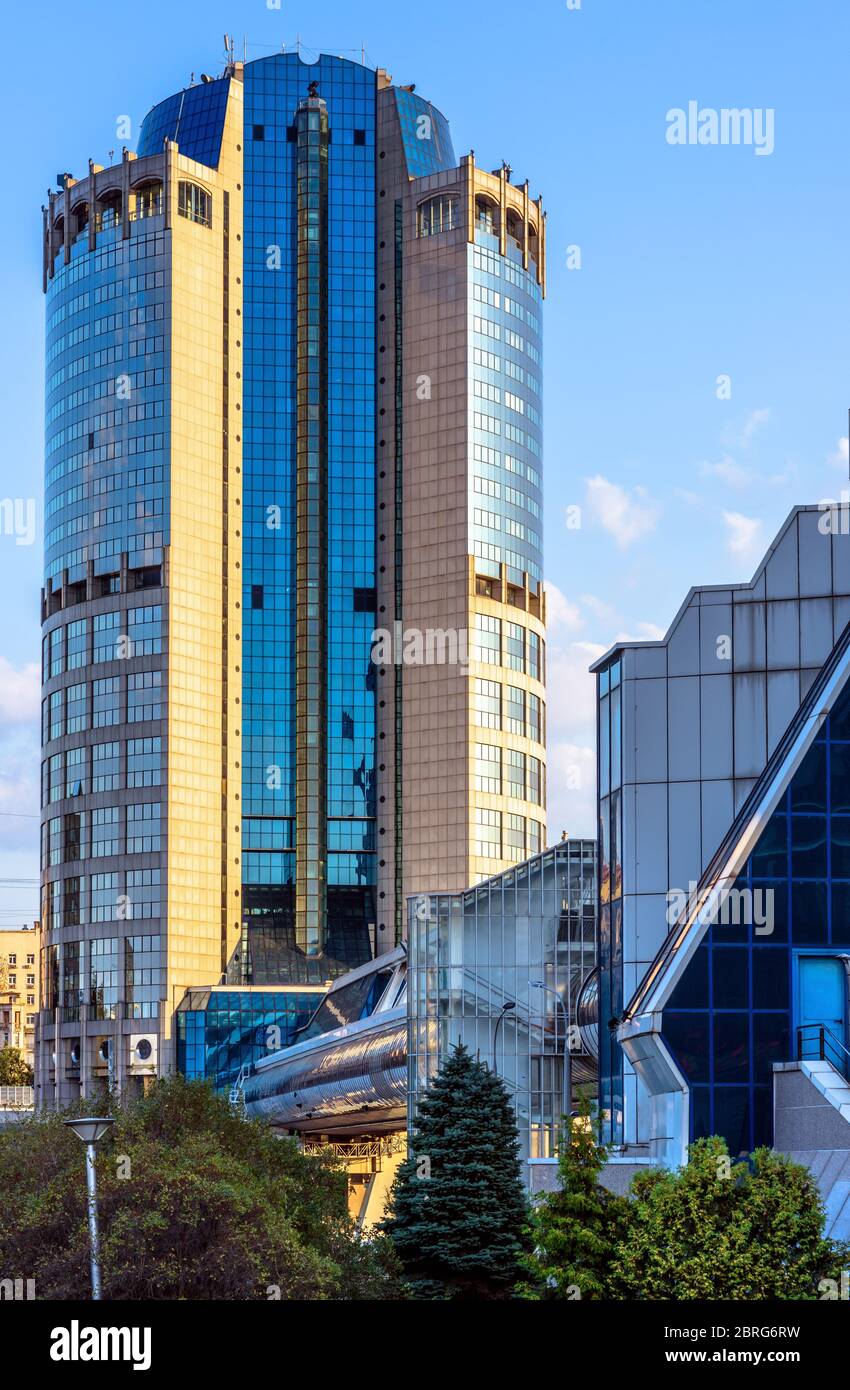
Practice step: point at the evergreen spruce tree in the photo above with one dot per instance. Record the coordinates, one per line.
(457, 1209)
(574, 1230)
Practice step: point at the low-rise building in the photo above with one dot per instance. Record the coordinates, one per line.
(19, 950)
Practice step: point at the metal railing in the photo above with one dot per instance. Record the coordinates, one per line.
(17, 1097)
(816, 1042)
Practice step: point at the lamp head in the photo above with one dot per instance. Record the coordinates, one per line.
(90, 1128)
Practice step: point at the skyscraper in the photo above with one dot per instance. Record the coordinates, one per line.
(293, 539)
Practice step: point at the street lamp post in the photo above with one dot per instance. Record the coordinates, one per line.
(568, 1079)
(506, 1007)
(90, 1130)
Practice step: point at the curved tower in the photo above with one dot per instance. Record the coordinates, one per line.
(294, 663)
(141, 599)
(461, 718)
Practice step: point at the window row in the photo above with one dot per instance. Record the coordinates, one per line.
(508, 772)
(490, 328)
(509, 708)
(103, 831)
(113, 636)
(125, 896)
(502, 835)
(502, 643)
(99, 704)
(101, 767)
(483, 453)
(90, 973)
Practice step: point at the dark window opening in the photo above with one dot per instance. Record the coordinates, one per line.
(256, 595)
(364, 600)
(150, 578)
(259, 132)
(360, 137)
(292, 134)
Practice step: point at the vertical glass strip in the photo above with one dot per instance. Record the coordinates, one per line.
(311, 526)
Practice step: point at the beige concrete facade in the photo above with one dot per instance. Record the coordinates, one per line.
(427, 573)
(204, 583)
(199, 590)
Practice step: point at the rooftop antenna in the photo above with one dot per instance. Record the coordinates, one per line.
(244, 48)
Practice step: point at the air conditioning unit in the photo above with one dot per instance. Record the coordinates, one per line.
(100, 1055)
(74, 1053)
(143, 1053)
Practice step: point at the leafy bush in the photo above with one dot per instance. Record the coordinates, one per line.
(194, 1203)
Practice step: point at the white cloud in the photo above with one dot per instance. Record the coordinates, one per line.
(561, 613)
(571, 783)
(647, 632)
(728, 471)
(571, 703)
(743, 437)
(571, 690)
(625, 516)
(19, 692)
(571, 752)
(841, 457)
(744, 539)
(19, 804)
(604, 612)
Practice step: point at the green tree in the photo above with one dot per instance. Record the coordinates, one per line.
(718, 1230)
(194, 1203)
(14, 1070)
(575, 1229)
(457, 1209)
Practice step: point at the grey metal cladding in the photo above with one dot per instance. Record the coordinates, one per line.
(750, 724)
(783, 635)
(716, 733)
(683, 714)
(650, 730)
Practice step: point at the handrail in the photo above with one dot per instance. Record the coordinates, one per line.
(826, 1041)
(718, 860)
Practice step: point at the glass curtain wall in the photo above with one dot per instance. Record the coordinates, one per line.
(495, 968)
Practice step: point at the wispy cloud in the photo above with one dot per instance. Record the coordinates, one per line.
(728, 471)
(744, 536)
(628, 517)
(561, 613)
(602, 611)
(19, 692)
(840, 458)
(740, 437)
(646, 632)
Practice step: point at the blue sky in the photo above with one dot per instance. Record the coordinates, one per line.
(696, 262)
